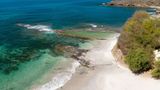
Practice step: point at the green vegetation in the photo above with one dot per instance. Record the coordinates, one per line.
(138, 60)
(156, 71)
(138, 40)
(86, 34)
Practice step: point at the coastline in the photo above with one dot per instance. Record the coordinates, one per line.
(82, 79)
(108, 74)
(59, 76)
(157, 15)
(66, 70)
(146, 5)
(32, 32)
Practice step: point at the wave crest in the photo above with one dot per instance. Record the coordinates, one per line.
(60, 79)
(41, 28)
(93, 25)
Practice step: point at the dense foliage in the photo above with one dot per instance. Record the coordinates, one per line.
(156, 70)
(141, 35)
(138, 60)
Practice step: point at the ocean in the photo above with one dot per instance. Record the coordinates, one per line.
(27, 38)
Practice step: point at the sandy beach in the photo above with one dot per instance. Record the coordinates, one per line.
(108, 74)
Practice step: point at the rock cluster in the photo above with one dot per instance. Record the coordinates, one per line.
(75, 53)
(133, 3)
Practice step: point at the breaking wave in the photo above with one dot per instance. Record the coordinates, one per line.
(41, 28)
(93, 25)
(60, 79)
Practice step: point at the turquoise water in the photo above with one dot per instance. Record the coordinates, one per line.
(27, 37)
(27, 73)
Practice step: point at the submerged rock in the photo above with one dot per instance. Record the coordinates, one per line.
(10, 59)
(65, 50)
(75, 53)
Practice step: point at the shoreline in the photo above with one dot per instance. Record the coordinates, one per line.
(76, 82)
(58, 79)
(134, 3)
(59, 76)
(108, 74)
(156, 14)
(62, 73)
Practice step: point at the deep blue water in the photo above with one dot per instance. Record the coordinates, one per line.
(57, 14)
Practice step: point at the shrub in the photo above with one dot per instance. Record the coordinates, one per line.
(132, 29)
(142, 30)
(138, 60)
(156, 71)
(139, 38)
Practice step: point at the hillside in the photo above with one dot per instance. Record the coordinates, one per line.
(138, 42)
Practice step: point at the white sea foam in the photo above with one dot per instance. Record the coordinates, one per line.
(60, 79)
(41, 28)
(93, 25)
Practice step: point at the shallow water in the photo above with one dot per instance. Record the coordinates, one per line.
(27, 73)
(27, 37)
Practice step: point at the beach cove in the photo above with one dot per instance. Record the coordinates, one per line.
(28, 40)
(108, 74)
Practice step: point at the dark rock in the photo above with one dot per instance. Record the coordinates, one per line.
(134, 3)
(75, 53)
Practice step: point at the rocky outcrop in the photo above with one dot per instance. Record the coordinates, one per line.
(133, 3)
(65, 50)
(75, 53)
(63, 33)
(118, 55)
(126, 4)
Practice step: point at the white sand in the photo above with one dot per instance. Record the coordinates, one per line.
(158, 9)
(108, 74)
